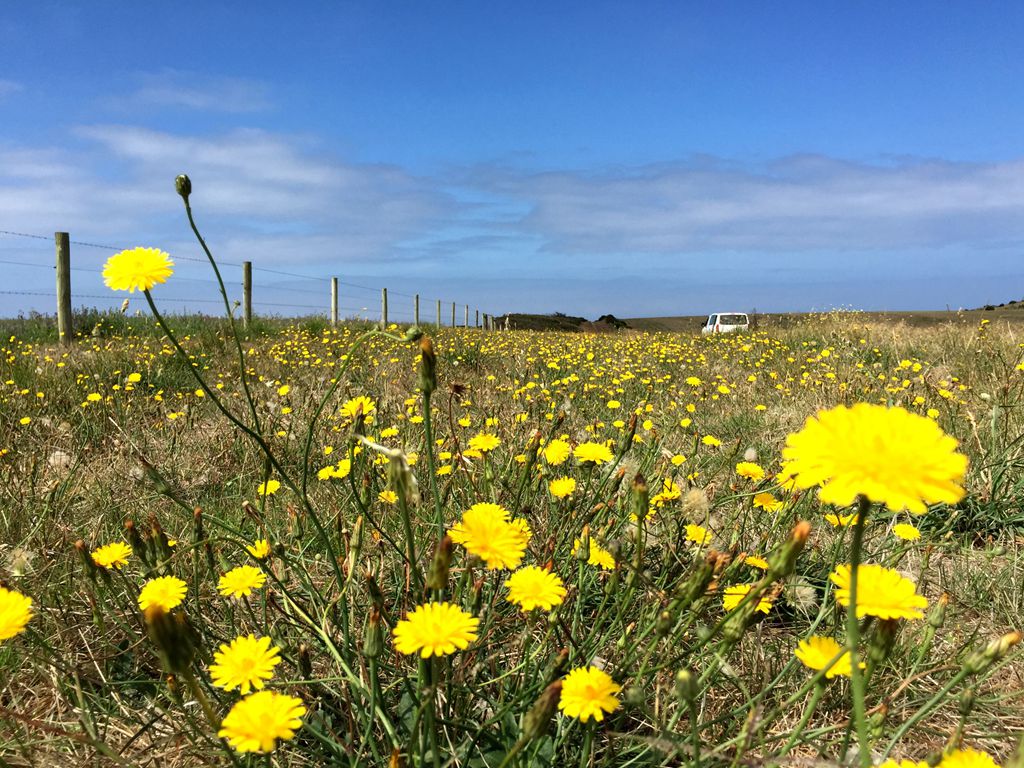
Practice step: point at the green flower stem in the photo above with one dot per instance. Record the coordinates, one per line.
(428, 432)
(857, 682)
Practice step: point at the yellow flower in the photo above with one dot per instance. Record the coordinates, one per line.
(599, 556)
(244, 664)
(137, 268)
(678, 459)
(112, 555)
(484, 442)
(284, 389)
(561, 487)
(556, 452)
(257, 722)
(269, 488)
(613, 404)
(435, 629)
(259, 549)
(711, 440)
(734, 595)
(592, 453)
(889, 455)
(15, 612)
(756, 562)
(485, 531)
(167, 592)
(881, 592)
(767, 502)
(532, 587)
(241, 581)
(816, 652)
(698, 534)
(750, 470)
(841, 521)
(588, 692)
(967, 758)
(358, 406)
(906, 531)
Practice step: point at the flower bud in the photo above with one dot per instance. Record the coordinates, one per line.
(373, 640)
(937, 615)
(305, 665)
(355, 546)
(583, 551)
(686, 686)
(91, 569)
(634, 696)
(979, 661)
(782, 561)
(183, 185)
(174, 638)
(138, 544)
(437, 577)
(664, 623)
(428, 366)
(556, 666)
(537, 720)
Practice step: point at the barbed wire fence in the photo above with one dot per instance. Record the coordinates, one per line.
(25, 258)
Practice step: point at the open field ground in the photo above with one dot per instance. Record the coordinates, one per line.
(318, 468)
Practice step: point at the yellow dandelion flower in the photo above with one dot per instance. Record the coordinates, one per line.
(241, 581)
(113, 555)
(767, 502)
(756, 562)
(259, 549)
(533, 587)
(485, 531)
(137, 269)
(484, 442)
(15, 613)
(244, 664)
(906, 531)
(816, 652)
(881, 592)
(599, 556)
(841, 521)
(358, 406)
(561, 487)
(260, 720)
(166, 592)
(967, 758)
(734, 595)
(556, 452)
(435, 629)
(588, 692)
(889, 455)
(698, 534)
(750, 470)
(269, 488)
(592, 453)
(711, 440)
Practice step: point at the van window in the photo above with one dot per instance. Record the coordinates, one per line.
(733, 319)
(712, 319)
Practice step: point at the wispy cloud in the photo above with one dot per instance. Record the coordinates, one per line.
(190, 90)
(807, 202)
(7, 87)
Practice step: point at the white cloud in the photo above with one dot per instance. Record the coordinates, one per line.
(796, 203)
(7, 87)
(189, 90)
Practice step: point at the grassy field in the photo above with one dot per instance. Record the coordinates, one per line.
(644, 469)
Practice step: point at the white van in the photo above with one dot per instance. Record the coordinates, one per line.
(726, 322)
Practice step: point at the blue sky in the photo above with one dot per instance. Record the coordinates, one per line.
(632, 158)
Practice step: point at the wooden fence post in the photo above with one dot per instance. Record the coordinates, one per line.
(383, 308)
(416, 310)
(466, 323)
(477, 319)
(453, 314)
(64, 329)
(438, 313)
(246, 293)
(334, 302)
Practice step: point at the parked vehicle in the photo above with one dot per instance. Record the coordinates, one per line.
(726, 322)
